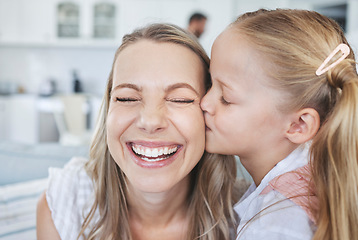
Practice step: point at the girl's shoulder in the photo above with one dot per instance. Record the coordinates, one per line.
(297, 186)
(69, 196)
(280, 210)
(274, 216)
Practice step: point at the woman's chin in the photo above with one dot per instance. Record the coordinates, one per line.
(154, 185)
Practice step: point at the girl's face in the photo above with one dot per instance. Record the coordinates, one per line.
(240, 110)
(155, 127)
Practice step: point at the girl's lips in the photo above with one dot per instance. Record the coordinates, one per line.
(153, 154)
(207, 128)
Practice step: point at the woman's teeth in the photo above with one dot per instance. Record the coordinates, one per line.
(154, 154)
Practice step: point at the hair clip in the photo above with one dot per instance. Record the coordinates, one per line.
(341, 47)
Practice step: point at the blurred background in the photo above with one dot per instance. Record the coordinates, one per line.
(56, 55)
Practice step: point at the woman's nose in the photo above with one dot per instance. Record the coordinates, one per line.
(152, 119)
(206, 103)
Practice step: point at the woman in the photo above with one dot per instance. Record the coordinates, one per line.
(147, 170)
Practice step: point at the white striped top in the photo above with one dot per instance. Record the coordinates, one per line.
(69, 196)
(272, 216)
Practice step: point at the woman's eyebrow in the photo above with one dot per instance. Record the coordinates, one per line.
(127, 85)
(181, 85)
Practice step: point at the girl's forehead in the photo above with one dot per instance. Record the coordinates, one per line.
(237, 63)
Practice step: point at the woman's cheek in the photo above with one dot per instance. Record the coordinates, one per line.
(190, 119)
(118, 119)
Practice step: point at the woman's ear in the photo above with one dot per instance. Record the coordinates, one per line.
(303, 126)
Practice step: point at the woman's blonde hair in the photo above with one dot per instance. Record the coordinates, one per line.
(212, 194)
(295, 43)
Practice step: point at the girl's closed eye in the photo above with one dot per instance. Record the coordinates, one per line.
(224, 101)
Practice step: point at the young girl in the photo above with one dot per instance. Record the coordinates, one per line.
(285, 100)
(148, 176)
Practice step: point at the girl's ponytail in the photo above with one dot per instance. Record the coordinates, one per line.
(335, 154)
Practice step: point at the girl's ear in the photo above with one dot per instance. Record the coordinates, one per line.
(303, 126)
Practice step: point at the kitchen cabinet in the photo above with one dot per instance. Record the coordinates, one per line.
(97, 22)
(9, 20)
(18, 119)
(104, 20)
(29, 119)
(23, 21)
(22, 118)
(48, 23)
(68, 20)
(4, 108)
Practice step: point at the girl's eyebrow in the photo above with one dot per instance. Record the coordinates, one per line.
(181, 85)
(224, 84)
(220, 82)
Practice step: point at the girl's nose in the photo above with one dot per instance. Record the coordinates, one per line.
(206, 103)
(152, 119)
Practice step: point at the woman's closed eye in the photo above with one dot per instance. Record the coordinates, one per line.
(181, 100)
(126, 99)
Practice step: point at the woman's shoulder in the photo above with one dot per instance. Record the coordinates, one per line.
(71, 180)
(69, 196)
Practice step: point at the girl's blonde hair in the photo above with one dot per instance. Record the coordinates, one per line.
(212, 181)
(295, 43)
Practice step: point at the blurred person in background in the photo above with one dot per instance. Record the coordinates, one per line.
(197, 22)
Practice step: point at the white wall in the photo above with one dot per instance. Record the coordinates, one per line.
(29, 67)
(37, 58)
(352, 25)
(28, 63)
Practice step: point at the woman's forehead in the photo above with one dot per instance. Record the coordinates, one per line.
(147, 62)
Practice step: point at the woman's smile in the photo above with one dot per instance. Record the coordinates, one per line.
(153, 154)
